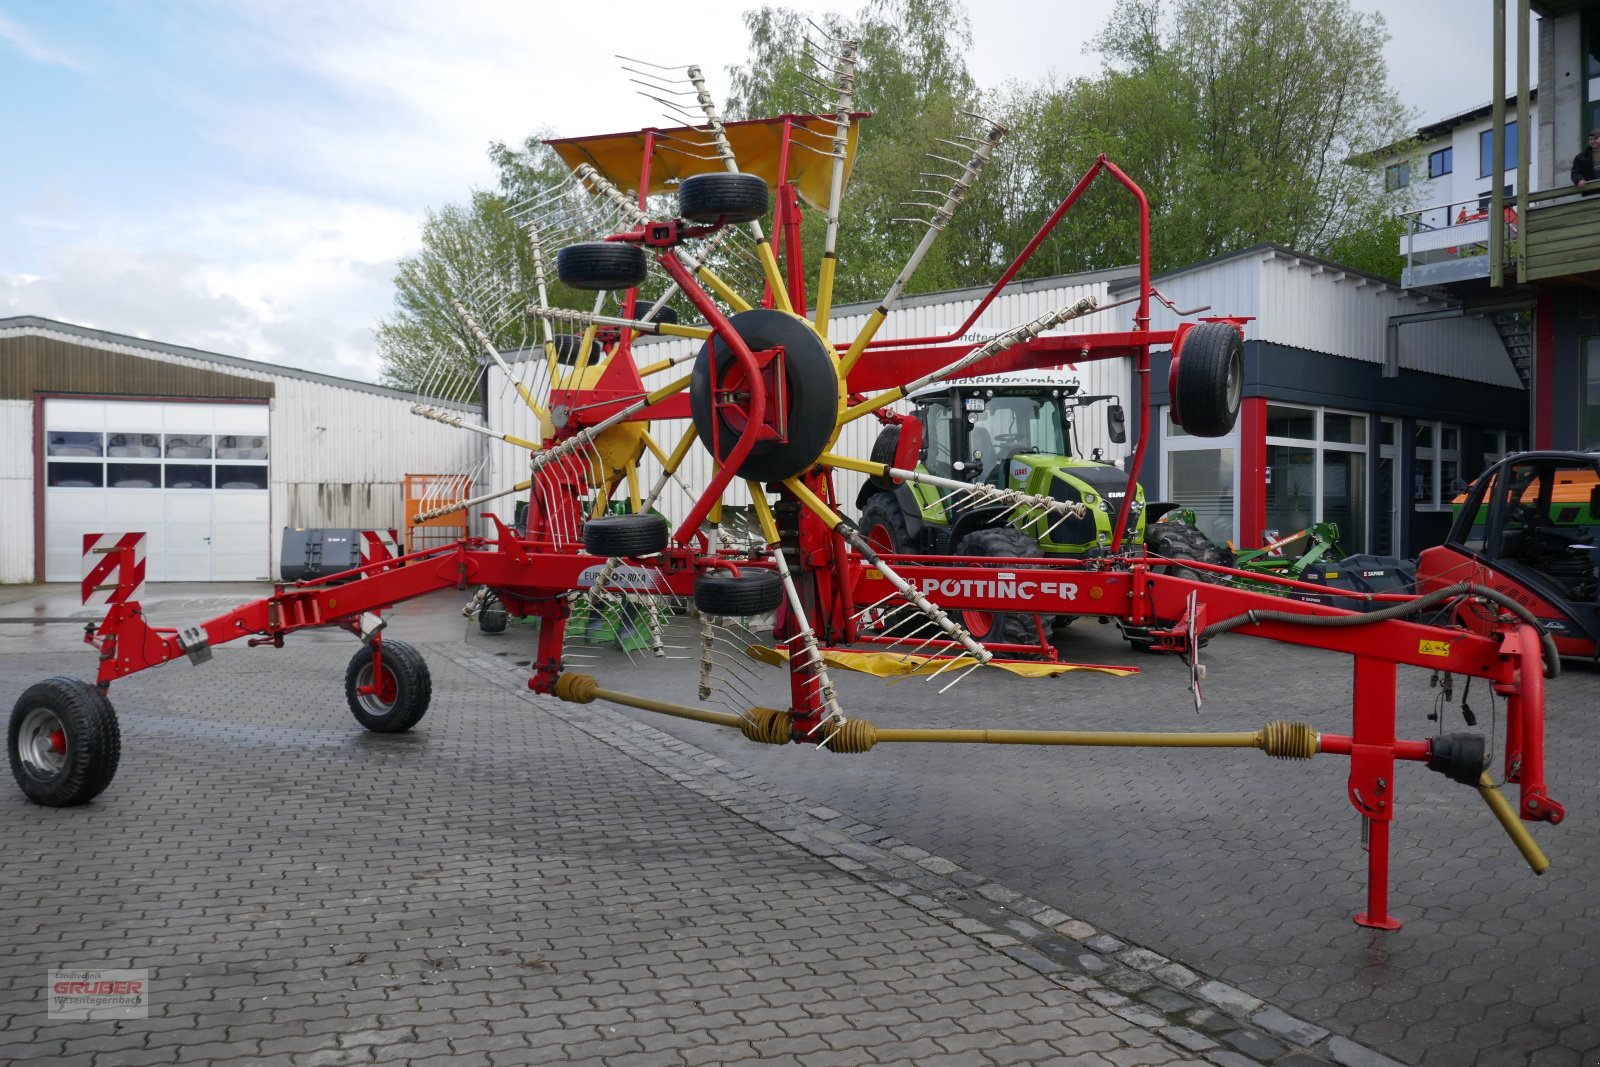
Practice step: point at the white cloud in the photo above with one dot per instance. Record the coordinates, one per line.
(32, 48)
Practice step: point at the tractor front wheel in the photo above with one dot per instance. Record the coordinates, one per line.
(1173, 541)
(393, 698)
(63, 742)
(1004, 627)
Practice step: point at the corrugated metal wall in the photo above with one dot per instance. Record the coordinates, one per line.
(1307, 304)
(923, 316)
(16, 491)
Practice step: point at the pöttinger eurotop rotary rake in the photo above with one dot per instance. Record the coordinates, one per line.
(767, 392)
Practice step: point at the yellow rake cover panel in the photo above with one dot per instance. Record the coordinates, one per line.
(891, 664)
(756, 144)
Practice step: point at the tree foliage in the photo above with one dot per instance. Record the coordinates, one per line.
(1244, 121)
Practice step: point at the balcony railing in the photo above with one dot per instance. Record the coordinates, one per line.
(1449, 243)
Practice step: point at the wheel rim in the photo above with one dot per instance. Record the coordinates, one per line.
(978, 623)
(880, 538)
(379, 699)
(42, 744)
(1235, 383)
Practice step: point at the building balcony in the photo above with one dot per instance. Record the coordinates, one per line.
(1450, 244)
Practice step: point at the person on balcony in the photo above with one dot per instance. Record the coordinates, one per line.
(1583, 164)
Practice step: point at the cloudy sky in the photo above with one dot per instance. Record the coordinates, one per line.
(242, 175)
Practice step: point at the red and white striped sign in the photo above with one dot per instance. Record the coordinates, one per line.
(379, 545)
(104, 579)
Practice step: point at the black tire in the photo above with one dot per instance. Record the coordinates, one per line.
(883, 524)
(598, 265)
(883, 449)
(753, 592)
(811, 388)
(493, 617)
(1175, 541)
(1210, 379)
(1008, 627)
(63, 742)
(625, 535)
(668, 314)
(411, 688)
(728, 197)
(569, 345)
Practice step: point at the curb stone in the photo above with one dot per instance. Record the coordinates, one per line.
(1069, 951)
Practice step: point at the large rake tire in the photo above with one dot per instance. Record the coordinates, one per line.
(714, 198)
(602, 265)
(625, 535)
(1207, 382)
(883, 450)
(1004, 627)
(63, 742)
(569, 346)
(405, 686)
(811, 393)
(751, 592)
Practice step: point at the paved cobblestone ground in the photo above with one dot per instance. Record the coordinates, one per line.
(499, 886)
(1242, 867)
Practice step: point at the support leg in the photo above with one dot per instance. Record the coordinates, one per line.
(1371, 786)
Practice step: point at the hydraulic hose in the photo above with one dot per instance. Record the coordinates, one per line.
(1552, 659)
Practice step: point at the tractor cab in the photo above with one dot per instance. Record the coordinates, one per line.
(1530, 527)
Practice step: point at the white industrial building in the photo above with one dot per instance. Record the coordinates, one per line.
(208, 454)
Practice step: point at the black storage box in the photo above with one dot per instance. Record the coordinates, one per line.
(315, 553)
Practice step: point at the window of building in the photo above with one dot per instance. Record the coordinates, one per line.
(1486, 151)
(1396, 176)
(154, 461)
(1436, 467)
(1386, 494)
(1316, 472)
(1591, 74)
(1441, 162)
(1589, 395)
(1203, 473)
(1498, 444)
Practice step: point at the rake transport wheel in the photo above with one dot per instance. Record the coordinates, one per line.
(714, 198)
(602, 265)
(63, 742)
(625, 535)
(493, 617)
(810, 394)
(1207, 379)
(751, 592)
(1005, 627)
(396, 701)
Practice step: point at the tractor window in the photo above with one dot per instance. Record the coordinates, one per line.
(1008, 425)
(936, 429)
(1550, 524)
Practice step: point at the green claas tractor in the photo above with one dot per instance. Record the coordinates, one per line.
(1015, 431)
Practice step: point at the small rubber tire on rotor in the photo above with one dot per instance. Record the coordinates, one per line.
(569, 345)
(1005, 627)
(726, 197)
(63, 742)
(668, 314)
(811, 388)
(408, 682)
(625, 535)
(1210, 379)
(493, 617)
(883, 450)
(753, 591)
(596, 265)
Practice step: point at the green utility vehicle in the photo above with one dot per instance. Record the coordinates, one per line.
(1020, 431)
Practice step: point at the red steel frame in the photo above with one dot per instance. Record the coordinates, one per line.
(534, 575)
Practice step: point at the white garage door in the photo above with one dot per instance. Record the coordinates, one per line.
(192, 476)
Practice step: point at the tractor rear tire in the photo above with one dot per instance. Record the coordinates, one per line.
(1174, 541)
(1005, 627)
(596, 265)
(752, 592)
(569, 345)
(625, 535)
(1210, 379)
(63, 742)
(408, 683)
(728, 197)
(883, 450)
